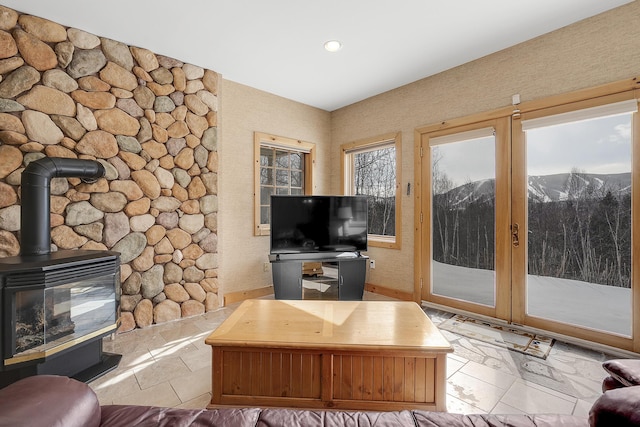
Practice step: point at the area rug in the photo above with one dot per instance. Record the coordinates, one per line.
(503, 336)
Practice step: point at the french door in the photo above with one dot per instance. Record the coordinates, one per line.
(467, 190)
(527, 218)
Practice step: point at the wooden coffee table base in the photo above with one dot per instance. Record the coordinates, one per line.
(331, 374)
(314, 379)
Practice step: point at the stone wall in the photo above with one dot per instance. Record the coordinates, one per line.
(152, 122)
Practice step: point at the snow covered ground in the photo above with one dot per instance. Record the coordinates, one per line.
(579, 303)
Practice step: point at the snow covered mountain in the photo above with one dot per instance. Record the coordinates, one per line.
(559, 187)
(547, 188)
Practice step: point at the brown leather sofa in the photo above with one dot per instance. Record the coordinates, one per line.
(47, 400)
(620, 403)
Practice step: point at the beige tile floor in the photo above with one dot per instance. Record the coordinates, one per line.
(169, 365)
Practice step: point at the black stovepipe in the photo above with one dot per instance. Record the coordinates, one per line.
(35, 221)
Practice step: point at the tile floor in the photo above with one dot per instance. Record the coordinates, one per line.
(169, 365)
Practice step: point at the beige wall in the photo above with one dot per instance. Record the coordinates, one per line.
(243, 111)
(595, 51)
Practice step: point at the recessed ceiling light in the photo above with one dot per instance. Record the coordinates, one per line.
(333, 45)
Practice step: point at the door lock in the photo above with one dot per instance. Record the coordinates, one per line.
(515, 236)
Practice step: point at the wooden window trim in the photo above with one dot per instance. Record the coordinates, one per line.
(388, 242)
(264, 139)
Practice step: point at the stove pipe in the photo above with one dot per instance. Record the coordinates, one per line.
(35, 220)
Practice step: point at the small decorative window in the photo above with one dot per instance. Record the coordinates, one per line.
(372, 168)
(283, 166)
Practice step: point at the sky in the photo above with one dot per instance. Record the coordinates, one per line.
(600, 145)
(595, 146)
(467, 161)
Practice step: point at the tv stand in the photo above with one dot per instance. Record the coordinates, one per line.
(288, 280)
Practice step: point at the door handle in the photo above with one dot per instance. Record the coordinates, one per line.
(515, 235)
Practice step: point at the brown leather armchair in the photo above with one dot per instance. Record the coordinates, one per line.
(619, 405)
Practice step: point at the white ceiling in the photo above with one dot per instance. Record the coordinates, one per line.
(277, 45)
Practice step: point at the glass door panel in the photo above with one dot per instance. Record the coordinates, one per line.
(579, 223)
(463, 217)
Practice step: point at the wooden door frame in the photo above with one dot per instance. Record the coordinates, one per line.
(519, 212)
(422, 251)
(620, 90)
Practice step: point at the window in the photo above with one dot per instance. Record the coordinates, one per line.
(282, 166)
(580, 182)
(372, 167)
(463, 214)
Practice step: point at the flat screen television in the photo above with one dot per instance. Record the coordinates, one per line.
(307, 224)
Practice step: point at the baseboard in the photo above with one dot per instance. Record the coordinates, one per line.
(233, 297)
(388, 292)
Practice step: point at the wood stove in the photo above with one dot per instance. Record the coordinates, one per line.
(56, 306)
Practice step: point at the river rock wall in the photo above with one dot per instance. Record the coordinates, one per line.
(151, 121)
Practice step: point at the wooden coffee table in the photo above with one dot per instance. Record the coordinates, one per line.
(364, 355)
